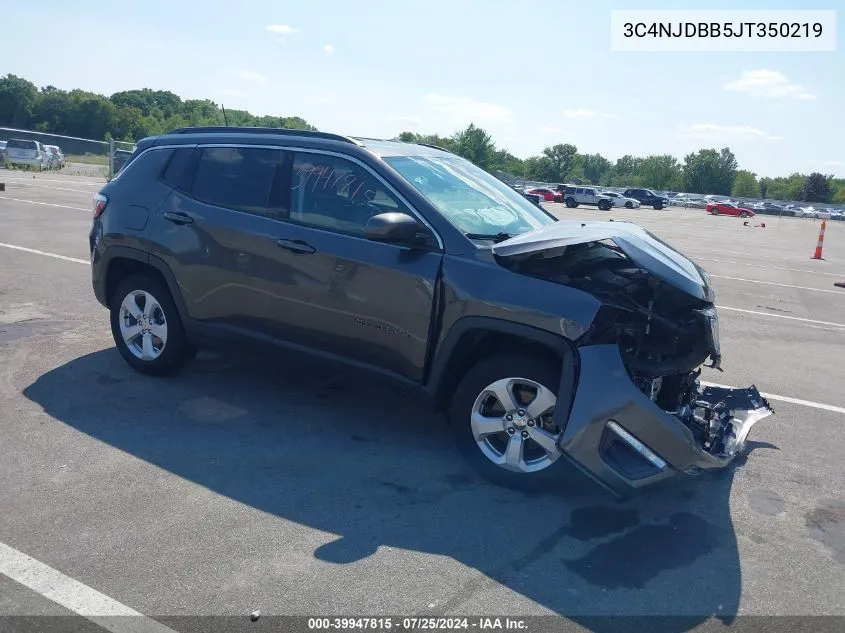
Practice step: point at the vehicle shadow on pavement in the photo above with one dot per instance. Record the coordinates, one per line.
(332, 450)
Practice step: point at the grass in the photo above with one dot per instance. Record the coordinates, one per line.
(87, 159)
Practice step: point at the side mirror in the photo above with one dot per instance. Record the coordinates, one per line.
(395, 227)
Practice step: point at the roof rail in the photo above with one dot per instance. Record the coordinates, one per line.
(262, 130)
(442, 149)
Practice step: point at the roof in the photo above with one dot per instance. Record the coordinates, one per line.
(379, 147)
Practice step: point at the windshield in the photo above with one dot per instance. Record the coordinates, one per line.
(470, 198)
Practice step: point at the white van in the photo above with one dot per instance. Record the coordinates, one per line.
(26, 153)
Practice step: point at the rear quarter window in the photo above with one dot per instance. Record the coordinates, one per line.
(21, 144)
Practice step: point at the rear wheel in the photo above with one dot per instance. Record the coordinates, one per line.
(502, 420)
(715, 211)
(743, 214)
(658, 207)
(146, 327)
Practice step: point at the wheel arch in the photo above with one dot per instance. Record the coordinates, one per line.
(472, 338)
(123, 262)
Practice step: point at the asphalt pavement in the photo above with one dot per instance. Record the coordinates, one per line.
(298, 488)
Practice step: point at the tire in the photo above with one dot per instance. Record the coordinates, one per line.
(715, 211)
(629, 205)
(570, 202)
(658, 207)
(168, 354)
(550, 468)
(743, 214)
(604, 205)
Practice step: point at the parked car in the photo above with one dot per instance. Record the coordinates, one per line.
(55, 156)
(647, 197)
(728, 208)
(442, 278)
(767, 207)
(26, 153)
(619, 200)
(574, 196)
(547, 194)
(2, 153)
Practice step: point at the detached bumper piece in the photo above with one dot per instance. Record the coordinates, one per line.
(625, 441)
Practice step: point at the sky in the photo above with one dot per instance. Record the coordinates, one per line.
(532, 73)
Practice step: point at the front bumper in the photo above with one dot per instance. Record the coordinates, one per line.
(610, 416)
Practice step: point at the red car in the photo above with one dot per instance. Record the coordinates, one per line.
(729, 208)
(547, 194)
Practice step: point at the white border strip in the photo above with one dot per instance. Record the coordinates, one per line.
(771, 283)
(781, 316)
(772, 396)
(73, 595)
(46, 204)
(46, 254)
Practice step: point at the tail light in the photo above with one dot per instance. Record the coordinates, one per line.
(100, 204)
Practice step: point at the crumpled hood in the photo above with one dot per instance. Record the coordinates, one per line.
(644, 249)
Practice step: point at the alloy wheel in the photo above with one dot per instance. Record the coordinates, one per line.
(143, 325)
(513, 424)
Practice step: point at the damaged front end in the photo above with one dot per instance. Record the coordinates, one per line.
(639, 412)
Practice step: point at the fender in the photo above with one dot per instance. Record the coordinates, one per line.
(100, 269)
(438, 377)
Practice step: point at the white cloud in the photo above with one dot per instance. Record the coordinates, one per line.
(553, 130)
(585, 113)
(768, 83)
(283, 31)
(329, 48)
(714, 131)
(404, 120)
(465, 110)
(251, 75)
(234, 93)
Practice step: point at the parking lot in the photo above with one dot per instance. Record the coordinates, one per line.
(298, 488)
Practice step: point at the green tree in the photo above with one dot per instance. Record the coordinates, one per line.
(595, 166)
(745, 185)
(660, 171)
(765, 183)
(709, 172)
(788, 188)
(557, 163)
(474, 144)
(816, 188)
(18, 98)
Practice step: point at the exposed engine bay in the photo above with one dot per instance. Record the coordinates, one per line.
(664, 334)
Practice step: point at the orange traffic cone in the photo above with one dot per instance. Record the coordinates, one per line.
(818, 253)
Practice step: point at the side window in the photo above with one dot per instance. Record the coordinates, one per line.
(590, 192)
(336, 194)
(579, 191)
(237, 178)
(175, 171)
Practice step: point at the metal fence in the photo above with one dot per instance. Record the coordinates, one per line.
(82, 156)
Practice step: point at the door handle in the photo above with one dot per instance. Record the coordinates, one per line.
(177, 218)
(296, 246)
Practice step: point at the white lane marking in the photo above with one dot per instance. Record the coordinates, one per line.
(696, 247)
(792, 270)
(93, 183)
(771, 283)
(32, 184)
(46, 254)
(782, 316)
(46, 204)
(73, 595)
(772, 396)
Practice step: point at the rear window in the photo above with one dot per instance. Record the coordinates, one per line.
(17, 143)
(236, 178)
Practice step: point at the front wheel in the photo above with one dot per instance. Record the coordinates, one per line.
(604, 206)
(629, 205)
(570, 202)
(502, 421)
(146, 327)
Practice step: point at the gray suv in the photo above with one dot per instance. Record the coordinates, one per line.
(544, 342)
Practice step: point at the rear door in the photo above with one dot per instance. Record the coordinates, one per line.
(217, 232)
